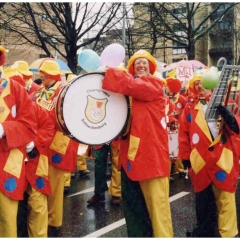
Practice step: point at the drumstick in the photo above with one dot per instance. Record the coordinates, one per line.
(186, 171)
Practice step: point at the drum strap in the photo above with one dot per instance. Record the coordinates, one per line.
(129, 123)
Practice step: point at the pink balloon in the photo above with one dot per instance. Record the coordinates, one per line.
(112, 55)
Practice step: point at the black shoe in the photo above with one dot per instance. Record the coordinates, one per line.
(96, 198)
(190, 233)
(83, 173)
(53, 231)
(115, 201)
(66, 190)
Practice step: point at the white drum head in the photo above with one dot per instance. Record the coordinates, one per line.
(93, 115)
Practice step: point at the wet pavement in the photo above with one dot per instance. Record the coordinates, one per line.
(105, 220)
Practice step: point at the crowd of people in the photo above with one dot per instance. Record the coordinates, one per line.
(38, 158)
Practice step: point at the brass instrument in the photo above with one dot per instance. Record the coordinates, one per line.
(48, 105)
(226, 91)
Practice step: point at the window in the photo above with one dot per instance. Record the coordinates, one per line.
(224, 25)
(180, 12)
(223, 6)
(43, 56)
(178, 48)
(43, 35)
(176, 60)
(54, 19)
(43, 16)
(179, 29)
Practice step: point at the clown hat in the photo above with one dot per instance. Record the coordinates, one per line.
(50, 67)
(10, 71)
(22, 67)
(13, 74)
(3, 49)
(174, 84)
(197, 76)
(142, 54)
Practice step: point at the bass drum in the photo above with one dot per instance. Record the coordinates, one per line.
(89, 114)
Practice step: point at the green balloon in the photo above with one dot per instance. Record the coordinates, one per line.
(210, 79)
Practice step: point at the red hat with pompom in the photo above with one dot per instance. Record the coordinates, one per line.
(174, 84)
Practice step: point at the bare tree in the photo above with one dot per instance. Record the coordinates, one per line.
(59, 26)
(182, 23)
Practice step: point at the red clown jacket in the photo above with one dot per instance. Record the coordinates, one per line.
(62, 152)
(144, 153)
(37, 167)
(211, 160)
(19, 122)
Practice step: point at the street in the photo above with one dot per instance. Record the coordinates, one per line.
(104, 220)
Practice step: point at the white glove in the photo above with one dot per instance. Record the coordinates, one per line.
(30, 146)
(1, 131)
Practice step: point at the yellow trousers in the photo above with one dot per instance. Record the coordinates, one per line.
(81, 162)
(227, 213)
(156, 195)
(8, 216)
(55, 200)
(115, 184)
(81, 166)
(179, 166)
(37, 213)
(67, 179)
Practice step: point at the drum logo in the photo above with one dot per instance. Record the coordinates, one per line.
(95, 111)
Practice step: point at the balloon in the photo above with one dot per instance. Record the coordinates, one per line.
(210, 79)
(89, 60)
(112, 55)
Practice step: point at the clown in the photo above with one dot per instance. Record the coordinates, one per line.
(144, 153)
(18, 127)
(173, 87)
(62, 152)
(23, 68)
(212, 154)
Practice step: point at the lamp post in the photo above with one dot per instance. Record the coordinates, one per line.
(54, 40)
(123, 29)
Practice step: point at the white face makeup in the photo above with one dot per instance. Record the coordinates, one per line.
(141, 67)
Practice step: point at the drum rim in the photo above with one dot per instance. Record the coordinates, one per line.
(68, 133)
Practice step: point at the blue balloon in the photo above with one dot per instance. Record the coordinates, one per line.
(89, 60)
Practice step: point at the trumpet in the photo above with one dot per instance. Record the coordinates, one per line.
(48, 105)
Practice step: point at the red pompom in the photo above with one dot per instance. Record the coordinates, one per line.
(2, 58)
(174, 84)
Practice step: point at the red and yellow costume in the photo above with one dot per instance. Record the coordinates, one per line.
(19, 123)
(208, 157)
(62, 151)
(214, 169)
(144, 153)
(37, 168)
(37, 176)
